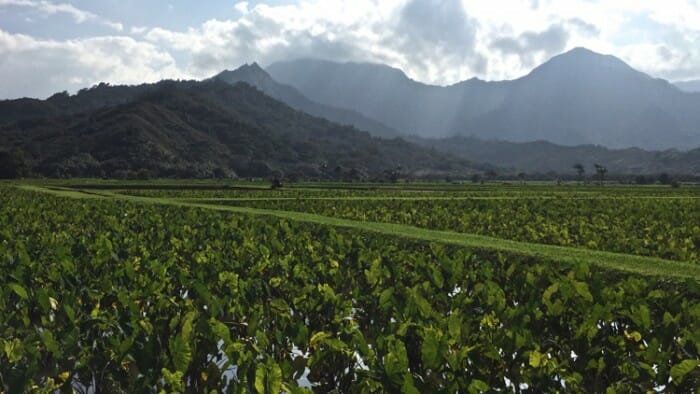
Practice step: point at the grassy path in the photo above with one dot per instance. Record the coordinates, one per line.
(425, 198)
(617, 261)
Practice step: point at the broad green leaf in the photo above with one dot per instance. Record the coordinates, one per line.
(478, 386)
(679, 371)
(268, 378)
(430, 350)
(19, 290)
(181, 353)
(537, 359)
(385, 298)
(582, 290)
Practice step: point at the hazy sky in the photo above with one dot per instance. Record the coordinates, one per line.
(48, 46)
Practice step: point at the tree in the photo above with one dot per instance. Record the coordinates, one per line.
(522, 176)
(600, 172)
(491, 175)
(393, 175)
(12, 164)
(580, 170)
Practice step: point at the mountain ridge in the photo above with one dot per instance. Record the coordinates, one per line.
(254, 75)
(578, 97)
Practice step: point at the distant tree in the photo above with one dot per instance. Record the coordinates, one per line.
(641, 180)
(580, 170)
(12, 164)
(491, 175)
(338, 173)
(276, 183)
(476, 178)
(664, 179)
(144, 174)
(600, 172)
(522, 177)
(393, 175)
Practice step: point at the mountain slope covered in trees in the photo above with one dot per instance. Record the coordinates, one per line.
(212, 128)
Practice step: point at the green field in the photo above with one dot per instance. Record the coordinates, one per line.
(231, 286)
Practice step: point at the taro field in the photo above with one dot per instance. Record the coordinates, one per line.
(193, 287)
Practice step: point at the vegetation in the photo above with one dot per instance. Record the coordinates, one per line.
(205, 129)
(136, 294)
(666, 228)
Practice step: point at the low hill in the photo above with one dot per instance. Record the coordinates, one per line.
(544, 157)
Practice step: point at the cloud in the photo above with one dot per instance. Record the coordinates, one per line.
(533, 46)
(49, 8)
(39, 68)
(242, 7)
(433, 35)
(433, 41)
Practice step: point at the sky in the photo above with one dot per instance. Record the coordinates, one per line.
(49, 46)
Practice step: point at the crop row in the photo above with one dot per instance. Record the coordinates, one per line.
(421, 191)
(666, 228)
(137, 298)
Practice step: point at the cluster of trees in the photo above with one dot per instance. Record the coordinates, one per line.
(600, 172)
(13, 164)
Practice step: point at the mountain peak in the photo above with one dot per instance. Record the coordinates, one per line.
(249, 73)
(582, 62)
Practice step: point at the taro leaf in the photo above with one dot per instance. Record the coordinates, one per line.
(582, 290)
(430, 350)
(181, 353)
(537, 359)
(478, 386)
(268, 378)
(679, 371)
(19, 290)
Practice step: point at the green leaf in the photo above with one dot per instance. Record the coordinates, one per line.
(454, 325)
(385, 298)
(537, 359)
(547, 296)
(679, 371)
(181, 353)
(396, 361)
(430, 350)
(19, 290)
(582, 290)
(268, 378)
(50, 342)
(478, 386)
(408, 387)
(13, 350)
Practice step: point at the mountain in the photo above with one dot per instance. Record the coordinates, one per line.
(96, 97)
(256, 76)
(211, 128)
(378, 92)
(585, 98)
(541, 157)
(579, 97)
(689, 86)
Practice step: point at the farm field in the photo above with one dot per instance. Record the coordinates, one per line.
(234, 287)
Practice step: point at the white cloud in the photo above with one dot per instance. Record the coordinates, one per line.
(50, 8)
(435, 41)
(432, 41)
(242, 7)
(38, 68)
